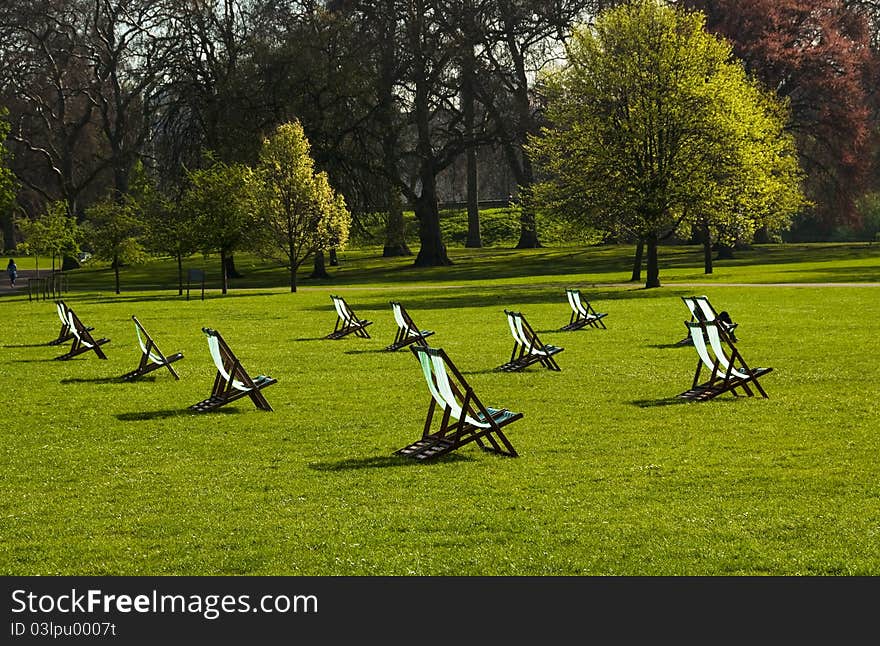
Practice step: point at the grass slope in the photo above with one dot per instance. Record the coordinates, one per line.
(616, 476)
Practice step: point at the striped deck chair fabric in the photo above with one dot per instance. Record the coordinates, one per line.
(407, 331)
(83, 341)
(347, 322)
(151, 356)
(527, 347)
(582, 313)
(463, 417)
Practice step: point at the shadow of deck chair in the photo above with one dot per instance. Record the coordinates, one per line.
(232, 381)
(724, 363)
(701, 310)
(582, 313)
(347, 321)
(83, 341)
(463, 417)
(407, 331)
(527, 347)
(64, 335)
(151, 356)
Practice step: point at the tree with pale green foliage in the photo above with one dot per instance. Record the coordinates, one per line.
(656, 128)
(300, 213)
(221, 200)
(113, 229)
(54, 234)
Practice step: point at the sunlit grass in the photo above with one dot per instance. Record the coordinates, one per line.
(615, 476)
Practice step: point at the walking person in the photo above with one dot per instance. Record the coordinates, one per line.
(12, 270)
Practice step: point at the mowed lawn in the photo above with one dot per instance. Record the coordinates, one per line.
(615, 476)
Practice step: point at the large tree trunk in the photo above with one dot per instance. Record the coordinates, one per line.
(528, 233)
(637, 260)
(432, 251)
(115, 270)
(180, 274)
(231, 271)
(653, 271)
(320, 268)
(395, 228)
(334, 258)
(224, 282)
(707, 249)
(467, 98)
(8, 225)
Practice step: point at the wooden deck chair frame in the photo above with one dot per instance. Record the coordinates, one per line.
(232, 381)
(727, 370)
(582, 313)
(463, 417)
(527, 347)
(151, 356)
(701, 310)
(347, 322)
(407, 331)
(64, 335)
(83, 341)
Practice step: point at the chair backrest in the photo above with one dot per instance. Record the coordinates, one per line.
(520, 330)
(76, 328)
(343, 310)
(709, 313)
(574, 299)
(713, 332)
(399, 318)
(446, 393)
(147, 344)
(698, 336)
(221, 354)
(693, 308)
(61, 307)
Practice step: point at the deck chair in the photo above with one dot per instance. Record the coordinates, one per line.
(232, 381)
(407, 331)
(64, 335)
(582, 313)
(347, 321)
(463, 418)
(151, 356)
(83, 341)
(527, 347)
(701, 310)
(728, 371)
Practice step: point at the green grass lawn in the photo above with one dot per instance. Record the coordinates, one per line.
(615, 475)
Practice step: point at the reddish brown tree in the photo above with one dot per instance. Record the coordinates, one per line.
(816, 53)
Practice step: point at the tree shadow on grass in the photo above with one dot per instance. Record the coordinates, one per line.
(666, 346)
(381, 461)
(165, 414)
(374, 351)
(311, 338)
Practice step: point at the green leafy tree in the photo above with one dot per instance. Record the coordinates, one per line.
(54, 234)
(656, 127)
(300, 213)
(220, 199)
(168, 229)
(113, 229)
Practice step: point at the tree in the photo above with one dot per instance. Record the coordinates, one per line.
(54, 234)
(113, 228)
(818, 55)
(654, 125)
(300, 214)
(220, 198)
(7, 185)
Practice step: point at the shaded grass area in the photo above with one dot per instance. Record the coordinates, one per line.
(560, 266)
(616, 475)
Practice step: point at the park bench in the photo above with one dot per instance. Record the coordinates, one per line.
(726, 367)
(527, 347)
(582, 313)
(347, 322)
(463, 417)
(232, 381)
(151, 356)
(407, 331)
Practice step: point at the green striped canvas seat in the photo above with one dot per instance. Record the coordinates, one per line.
(407, 331)
(151, 356)
(527, 347)
(582, 313)
(347, 322)
(83, 341)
